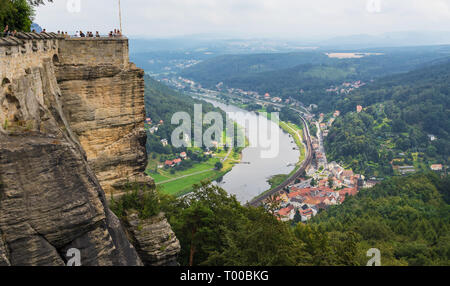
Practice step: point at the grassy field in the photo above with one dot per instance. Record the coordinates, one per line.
(277, 180)
(181, 182)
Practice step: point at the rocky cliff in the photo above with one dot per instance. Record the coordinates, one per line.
(154, 239)
(63, 125)
(103, 100)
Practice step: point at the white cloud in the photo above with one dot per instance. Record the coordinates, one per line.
(294, 18)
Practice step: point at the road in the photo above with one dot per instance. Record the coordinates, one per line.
(260, 199)
(185, 176)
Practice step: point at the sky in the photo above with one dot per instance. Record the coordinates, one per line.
(247, 18)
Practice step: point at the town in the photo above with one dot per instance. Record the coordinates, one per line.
(324, 184)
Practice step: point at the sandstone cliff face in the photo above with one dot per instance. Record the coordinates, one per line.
(103, 100)
(154, 240)
(107, 115)
(50, 197)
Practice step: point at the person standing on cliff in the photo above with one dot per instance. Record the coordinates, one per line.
(82, 34)
(6, 31)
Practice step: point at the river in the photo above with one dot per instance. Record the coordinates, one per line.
(249, 179)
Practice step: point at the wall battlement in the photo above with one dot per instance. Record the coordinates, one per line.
(27, 50)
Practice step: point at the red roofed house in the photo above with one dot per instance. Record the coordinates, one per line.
(172, 163)
(294, 194)
(323, 183)
(306, 214)
(183, 155)
(287, 213)
(301, 192)
(359, 109)
(437, 167)
(348, 191)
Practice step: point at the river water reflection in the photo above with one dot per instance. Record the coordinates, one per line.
(249, 179)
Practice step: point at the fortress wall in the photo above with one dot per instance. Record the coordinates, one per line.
(95, 51)
(19, 55)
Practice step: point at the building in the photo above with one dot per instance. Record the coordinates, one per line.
(153, 129)
(432, 137)
(276, 99)
(183, 155)
(359, 109)
(437, 167)
(370, 184)
(164, 142)
(406, 170)
(172, 163)
(287, 213)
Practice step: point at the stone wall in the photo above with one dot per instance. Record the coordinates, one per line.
(95, 51)
(18, 55)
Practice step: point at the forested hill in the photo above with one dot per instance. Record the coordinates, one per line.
(161, 103)
(399, 113)
(284, 75)
(407, 219)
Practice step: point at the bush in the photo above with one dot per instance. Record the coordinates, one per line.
(145, 202)
(17, 14)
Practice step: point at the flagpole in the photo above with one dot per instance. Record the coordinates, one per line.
(120, 18)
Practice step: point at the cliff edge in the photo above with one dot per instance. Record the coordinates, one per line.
(71, 125)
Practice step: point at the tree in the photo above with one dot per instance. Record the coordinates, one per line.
(218, 166)
(330, 182)
(18, 14)
(197, 222)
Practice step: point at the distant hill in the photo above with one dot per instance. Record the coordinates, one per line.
(161, 103)
(393, 39)
(36, 27)
(284, 75)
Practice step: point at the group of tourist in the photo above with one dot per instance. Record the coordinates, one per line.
(78, 34)
(62, 33)
(115, 33)
(7, 32)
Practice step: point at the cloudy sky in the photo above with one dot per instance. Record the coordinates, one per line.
(253, 18)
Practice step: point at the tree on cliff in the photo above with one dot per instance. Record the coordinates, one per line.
(18, 14)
